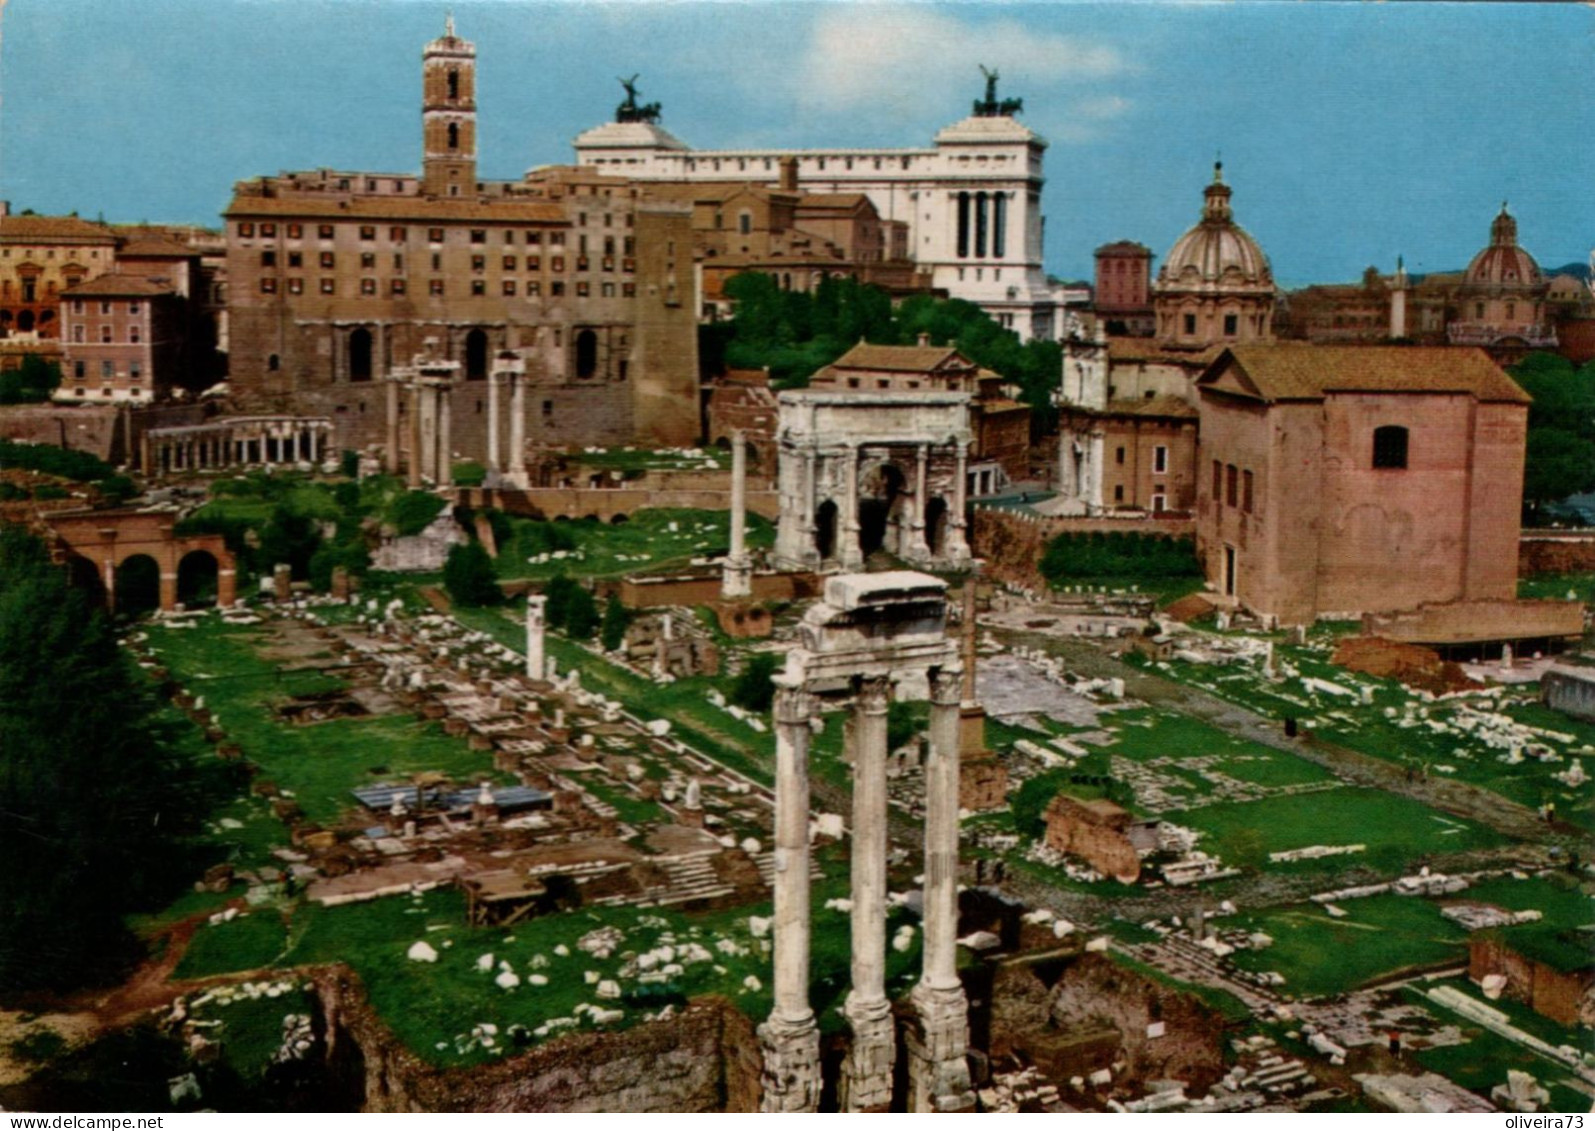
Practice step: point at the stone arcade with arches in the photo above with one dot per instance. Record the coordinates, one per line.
(110, 551)
(863, 471)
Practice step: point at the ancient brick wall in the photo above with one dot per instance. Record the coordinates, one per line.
(1075, 830)
(704, 1059)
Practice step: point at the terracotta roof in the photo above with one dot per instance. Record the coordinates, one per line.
(317, 206)
(155, 247)
(116, 285)
(1302, 372)
(1147, 349)
(1164, 405)
(842, 201)
(51, 229)
(903, 359)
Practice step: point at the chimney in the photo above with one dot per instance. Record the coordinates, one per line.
(789, 170)
(924, 338)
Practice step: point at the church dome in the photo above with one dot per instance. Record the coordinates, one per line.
(1503, 263)
(1217, 252)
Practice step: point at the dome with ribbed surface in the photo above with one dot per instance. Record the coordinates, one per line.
(1503, 263)
(1217, 250)
(1215, 285)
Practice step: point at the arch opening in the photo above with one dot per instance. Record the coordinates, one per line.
(360, 355)
(825, 530)
(138, 586)
(198, 577)
(476, 355)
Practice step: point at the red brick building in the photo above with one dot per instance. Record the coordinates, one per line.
(1123, 290)
(1340, 480)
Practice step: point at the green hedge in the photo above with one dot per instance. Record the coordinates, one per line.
(1133, 557)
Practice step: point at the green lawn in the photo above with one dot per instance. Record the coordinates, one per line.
(1320, 955)
(253, 940)
(650, 540)
(318, 765)
(1395, 830)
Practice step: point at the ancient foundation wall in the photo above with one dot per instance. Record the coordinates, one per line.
(648, 592)
(1571, 691)
(1012, 543)
(1571, 551)
(704, 1059)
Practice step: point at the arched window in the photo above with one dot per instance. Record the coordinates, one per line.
(454, 83)
(476, 355)
(454, 135)
(1390, 446)
(360, 355)
(586, 353)
(273, 363)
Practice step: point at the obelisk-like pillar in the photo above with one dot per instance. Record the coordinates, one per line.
(866, 1083)
(534, 636)
(790, 1039)
(938, 1042)
(736, 579)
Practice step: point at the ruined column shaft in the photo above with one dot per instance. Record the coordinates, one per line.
(849, 553)
(445, 452)
(518, 428)
(535, 667)
(940, 969)
(867, 1072)
(789, 1040)
(413, 467)
(736, 579)
(493, 464)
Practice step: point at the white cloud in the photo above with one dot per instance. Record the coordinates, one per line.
(901, 58)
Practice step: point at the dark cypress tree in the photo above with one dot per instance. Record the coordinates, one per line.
(90, 800)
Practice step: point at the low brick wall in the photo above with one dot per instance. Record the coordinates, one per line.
(704, 589)
(607, 502)
(1563, 551)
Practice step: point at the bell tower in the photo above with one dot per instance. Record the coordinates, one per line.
(448, 115)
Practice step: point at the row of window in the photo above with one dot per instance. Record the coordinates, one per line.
(135, 371)
(368, 261)
(1160, 458)
(509, 287)
(247, 229)
(135, 335)
(133, 308)
(1233, 485)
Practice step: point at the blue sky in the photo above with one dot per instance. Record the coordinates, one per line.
(1351, 132)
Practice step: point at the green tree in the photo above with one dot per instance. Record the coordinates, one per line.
(612, 634)
(34, 380)
(1560, 457)
(1031, 800)
(90, 798)
(754, 689)
(469, 578)
(560, 590)
(581, 614)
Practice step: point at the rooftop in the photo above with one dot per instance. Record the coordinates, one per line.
(1303, 372)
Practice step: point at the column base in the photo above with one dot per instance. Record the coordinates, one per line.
(937, 1040)
(866, 1083)
(736, 579)
(791, 1076)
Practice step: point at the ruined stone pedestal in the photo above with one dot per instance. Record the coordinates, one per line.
(791, 1076)
(937, 1040)
(866, 1083)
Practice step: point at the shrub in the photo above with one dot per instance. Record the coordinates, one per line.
(754, 689)
(468, 577)
(617, 617)
(413, 511)
(581, 615)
